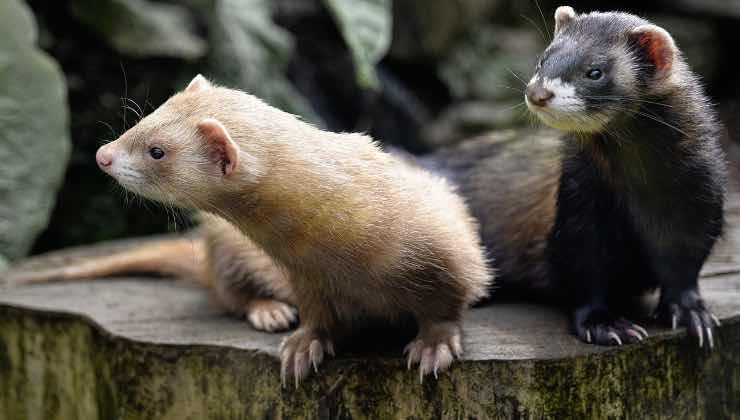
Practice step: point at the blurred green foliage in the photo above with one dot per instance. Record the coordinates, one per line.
(366, 27)
(34, 131)
(420, 74)
(141, 28)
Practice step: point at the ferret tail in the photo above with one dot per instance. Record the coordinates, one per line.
(181, 257)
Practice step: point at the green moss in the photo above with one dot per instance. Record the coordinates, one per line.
(62, 368)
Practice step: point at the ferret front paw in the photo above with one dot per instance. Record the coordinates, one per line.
(687, 309)
(434, 348)
(301, 350)
(270, 315)
(596, 325)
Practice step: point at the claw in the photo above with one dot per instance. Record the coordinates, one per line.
(635, 334)
(330, 348)
(457, 348)
(643, 331)
(674, 322)
(588, 336)
(615, 337)
(709, 337)
(701, 336)
(715, 319)
(696, 322)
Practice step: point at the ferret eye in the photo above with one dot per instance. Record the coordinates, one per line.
(594, 74)
(156, 153)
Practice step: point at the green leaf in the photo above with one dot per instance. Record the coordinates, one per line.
(366, 26)
(34, 131)
(251, 52)
(141, 28)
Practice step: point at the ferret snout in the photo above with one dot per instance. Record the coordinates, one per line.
(539, 95)
(104, 157)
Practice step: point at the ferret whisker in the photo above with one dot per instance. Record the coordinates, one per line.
(109, 128)
(544, 21)
(140, 112)
(131, 109)
(626, 99)
(530, 20)
(519, 90)
(661, 121)
(509, 108)
(516, 76)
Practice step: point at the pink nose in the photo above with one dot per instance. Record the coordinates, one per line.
(104, 157)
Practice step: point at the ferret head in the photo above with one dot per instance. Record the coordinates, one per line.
(598, 67)
(182, 153)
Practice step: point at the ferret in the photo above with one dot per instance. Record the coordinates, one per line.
(627, 199)
(356, 233)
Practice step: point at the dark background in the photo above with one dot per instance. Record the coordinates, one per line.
(449, 73)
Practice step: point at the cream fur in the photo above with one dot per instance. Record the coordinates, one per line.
(357, 232)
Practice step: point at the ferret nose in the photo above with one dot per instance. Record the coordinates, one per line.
(104, 157)
(538, 95)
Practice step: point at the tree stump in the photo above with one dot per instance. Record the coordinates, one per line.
(142, 348)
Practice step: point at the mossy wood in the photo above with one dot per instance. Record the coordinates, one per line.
(138, 348)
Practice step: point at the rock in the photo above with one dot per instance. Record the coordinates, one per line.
(141, 28)
(34, 131)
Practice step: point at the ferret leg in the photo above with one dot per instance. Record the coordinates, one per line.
(435, 347)
(245, 279)
(680, 302)
(437, 304)
(306, 347)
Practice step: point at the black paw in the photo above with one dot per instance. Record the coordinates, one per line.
(596, 325)
(687, 309)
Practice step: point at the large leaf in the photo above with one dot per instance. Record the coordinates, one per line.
(251, 52)
(34, 131)
(366, 26)
(141, 28)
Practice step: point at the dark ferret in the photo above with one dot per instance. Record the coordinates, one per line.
(627, 199)
(630, 197)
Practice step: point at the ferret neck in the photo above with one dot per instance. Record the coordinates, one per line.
(643, 150)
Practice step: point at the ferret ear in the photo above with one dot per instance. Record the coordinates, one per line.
(563, 16)
(222, 150)
(199, 83)
(657, 45)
